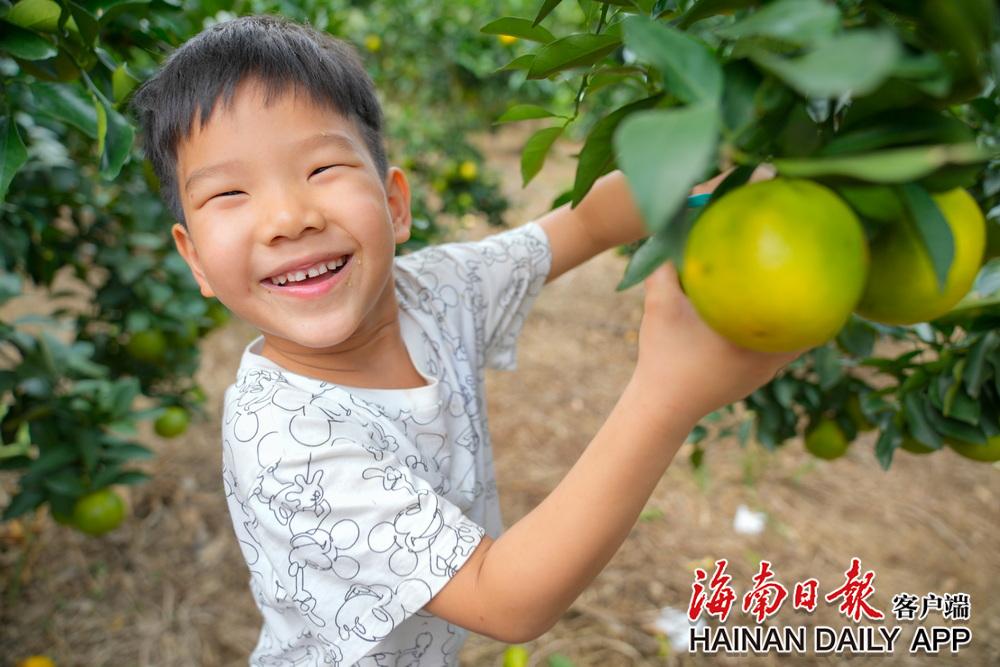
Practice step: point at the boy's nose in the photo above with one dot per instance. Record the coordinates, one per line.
(290, 216)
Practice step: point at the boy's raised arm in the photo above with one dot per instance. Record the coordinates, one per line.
(516, 588)
(606, 218)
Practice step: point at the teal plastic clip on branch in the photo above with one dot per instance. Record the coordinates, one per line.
(697, 201)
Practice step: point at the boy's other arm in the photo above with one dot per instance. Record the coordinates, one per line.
(516, 588)
(606, 218)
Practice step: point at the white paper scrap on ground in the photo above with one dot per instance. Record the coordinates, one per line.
(748, 522)
(675, 625)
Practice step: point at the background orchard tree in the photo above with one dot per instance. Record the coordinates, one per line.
(886, 102)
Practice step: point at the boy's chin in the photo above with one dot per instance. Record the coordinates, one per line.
(299, 342)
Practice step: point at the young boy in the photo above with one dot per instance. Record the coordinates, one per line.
(356, 457)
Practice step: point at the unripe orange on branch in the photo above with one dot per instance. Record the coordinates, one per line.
(777, 265)
(902, 286)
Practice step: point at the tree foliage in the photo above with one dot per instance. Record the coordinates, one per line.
(883, 101)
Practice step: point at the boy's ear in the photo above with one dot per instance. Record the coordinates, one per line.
(185, 246)
(397, 193)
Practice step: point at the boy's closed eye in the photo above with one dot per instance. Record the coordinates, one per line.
(319, 170)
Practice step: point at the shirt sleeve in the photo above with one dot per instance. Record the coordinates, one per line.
(358, 542)
(493, 281)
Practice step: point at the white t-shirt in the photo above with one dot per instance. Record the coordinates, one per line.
(353, 507)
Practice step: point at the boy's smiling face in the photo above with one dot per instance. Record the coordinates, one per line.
(267, 189)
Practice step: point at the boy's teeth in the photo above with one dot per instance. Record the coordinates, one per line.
(313, 271)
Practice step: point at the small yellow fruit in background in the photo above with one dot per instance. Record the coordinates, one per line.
(468, 170)
(507, 40)
(373, 43)
(37, 661)
(515, 656)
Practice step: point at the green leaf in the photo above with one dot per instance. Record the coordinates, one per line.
(522, 62)
(597, 158)
(65, 482)
(545, 10)
(25, 44)
(41, 15)
(690, 69)
(653, 252)
(797, 21)
(667, 244)
(25, 501)
(664, 153)
(115, 134)
(571, 51)
(536, 150)
(525, 112)
(827, 366)
(917, 126)
(735, 179)
(857, 337)
(517, 27)
(706, 8)
(856, 62)
(559, 660)
(915, 407)
(12, 152)
(85, 22)
(130, 477)
(896, 165)
(61, 101)
(950, 428)
(888, 441)
(975, 367)
(932, 229)
(127, 451)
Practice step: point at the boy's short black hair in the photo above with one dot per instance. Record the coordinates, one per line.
(274, 50)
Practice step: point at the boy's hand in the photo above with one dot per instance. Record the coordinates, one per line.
(684, 363)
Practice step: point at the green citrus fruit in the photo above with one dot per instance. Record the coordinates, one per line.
(902, 287)
(776, 265)
(914, 446)
(988, 453)
(826, 440)
(172, 422)
(853, 409)
(515, 656)
(149, 346)
(98, 512)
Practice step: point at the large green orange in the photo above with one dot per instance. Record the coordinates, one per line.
(776, 265)
(987, 453)
(902, 287)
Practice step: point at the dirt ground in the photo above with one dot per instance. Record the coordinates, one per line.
(169, 588)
